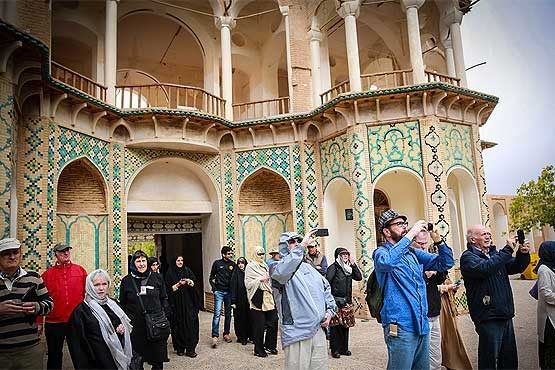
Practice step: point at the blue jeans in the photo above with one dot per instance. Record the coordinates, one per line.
(496, 345)
(219, 299)
(407, 350)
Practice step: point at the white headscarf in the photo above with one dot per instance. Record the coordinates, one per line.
(347, 268)
(255, 269)
(121, 355)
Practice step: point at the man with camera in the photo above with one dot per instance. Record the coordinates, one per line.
(490, 299)
(399, 270)
(304, 302)
(23, 296)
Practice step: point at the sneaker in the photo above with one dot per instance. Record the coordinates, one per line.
(261, 354)
(227, 338)
(215, 342)
(271, 351)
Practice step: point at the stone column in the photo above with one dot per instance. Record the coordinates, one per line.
(349, 12)
(315, 38)
(111, 50)
(285, 12)
(480, 175)
(449, 57)
(455, 19)
(413, 28)
(225, 24)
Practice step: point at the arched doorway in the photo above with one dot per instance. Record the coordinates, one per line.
(338, 205)
(465, 206)
(500, 224)
(264, 211)
(173, 209)
(81, 214)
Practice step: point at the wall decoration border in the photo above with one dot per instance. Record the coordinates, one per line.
(297, 186)
(275, 158)
(118, 210)
(334, 159)
(262, 220)
(163, 226)
(7, 130)
(457, 141)
(229, 200)
(481, 178)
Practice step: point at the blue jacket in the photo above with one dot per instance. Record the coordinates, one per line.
(405, 301)
(488, 290)
(302, 296)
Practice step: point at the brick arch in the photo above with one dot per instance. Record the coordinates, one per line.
(81, 188)
(264, 191)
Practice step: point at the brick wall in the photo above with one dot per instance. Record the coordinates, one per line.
(33, 17)
(80, 190)
(264, 192)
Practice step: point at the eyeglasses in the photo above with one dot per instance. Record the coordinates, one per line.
(399, 223)
(422, 244)
(229, 254)
(260, 254)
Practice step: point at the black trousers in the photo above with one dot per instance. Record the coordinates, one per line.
(264, 321)
(496, 345)
(546, 350)
(339, 339)
(241, 322)
(55, 334)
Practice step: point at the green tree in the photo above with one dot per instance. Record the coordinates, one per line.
(534, 205)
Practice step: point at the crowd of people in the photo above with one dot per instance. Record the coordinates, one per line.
(294, 291)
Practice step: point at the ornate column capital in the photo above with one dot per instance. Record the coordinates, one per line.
(315, 35)
(225, 21)
(447, 43)
(407, 4)
(347, 8)
(453, 15)
(284, 9)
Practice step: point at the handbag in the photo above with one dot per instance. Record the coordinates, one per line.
(156, 323)
(344, 317)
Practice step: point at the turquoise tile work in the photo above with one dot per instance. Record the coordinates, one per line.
(311, 184)
(298, 187)
(7, 119)
(334, 159)
(458, 146)
(394, 145)
(276, 158)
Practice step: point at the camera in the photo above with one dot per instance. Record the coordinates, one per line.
(322, 232)
(430, 226)
(520, 236)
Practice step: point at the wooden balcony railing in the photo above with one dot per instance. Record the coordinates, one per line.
(78, 81)
(386, 80)
(340, 88)
(438, 77)
(166, 95)
(261, 108)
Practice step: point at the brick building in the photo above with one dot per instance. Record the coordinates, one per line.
(180, 126)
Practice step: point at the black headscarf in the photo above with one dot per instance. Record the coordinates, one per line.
(175, 273)
(547, 255)
(134, 272)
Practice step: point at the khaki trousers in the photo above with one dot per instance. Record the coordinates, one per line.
(308, 354)
(29, 358)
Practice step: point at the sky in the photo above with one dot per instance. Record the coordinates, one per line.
(515, 38)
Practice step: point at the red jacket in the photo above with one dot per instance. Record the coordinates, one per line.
(66, 286)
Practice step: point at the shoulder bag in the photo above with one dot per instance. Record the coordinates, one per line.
(157, 324)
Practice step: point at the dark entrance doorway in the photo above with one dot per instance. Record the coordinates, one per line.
(190, 247)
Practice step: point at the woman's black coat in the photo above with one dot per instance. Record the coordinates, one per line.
(341, 284)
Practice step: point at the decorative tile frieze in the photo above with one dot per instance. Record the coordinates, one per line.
(7, 130)
(457, 140)
(334, 159)
(164, 226)
(276, 158)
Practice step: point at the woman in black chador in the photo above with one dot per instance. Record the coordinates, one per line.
(149, 286)
(240, 303)
(185, 306)
(100, 329)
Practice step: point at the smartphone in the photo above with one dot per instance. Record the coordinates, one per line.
(458, 282)
(430, 226)
(30, 295)
(520, 236)
(322, 232)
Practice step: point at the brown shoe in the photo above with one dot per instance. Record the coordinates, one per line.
(215, 342)
(227, 338)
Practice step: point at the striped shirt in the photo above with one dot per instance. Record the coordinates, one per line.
(20, 330)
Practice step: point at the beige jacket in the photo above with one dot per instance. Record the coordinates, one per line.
(546, 299)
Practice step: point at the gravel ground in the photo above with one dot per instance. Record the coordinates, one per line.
(366, 344)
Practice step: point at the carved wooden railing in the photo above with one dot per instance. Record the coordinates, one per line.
(166, 95)
(340, 88)
(260, 109)
(78, 81)
(438, 77)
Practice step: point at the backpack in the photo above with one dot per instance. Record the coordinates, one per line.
(374, 296)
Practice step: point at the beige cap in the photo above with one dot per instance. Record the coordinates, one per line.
(9, 243)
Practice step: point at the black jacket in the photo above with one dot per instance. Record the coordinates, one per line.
(432, 293)
(341, 284)
(238, 289)
(220, 275)
(488, 290)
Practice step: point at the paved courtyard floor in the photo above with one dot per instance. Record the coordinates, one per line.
(366, 343)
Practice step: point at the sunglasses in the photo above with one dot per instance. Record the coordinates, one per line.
(260, 254)
(295, 240)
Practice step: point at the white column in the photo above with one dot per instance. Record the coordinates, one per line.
(415, 47)
(449, 57)
(111, 50)
(325, 73)
(225, 24)
(349, 12)
(285, 12)
(315, 38)
(455, 28)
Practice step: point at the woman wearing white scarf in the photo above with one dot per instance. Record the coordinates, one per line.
(263, 309)
(99, 327)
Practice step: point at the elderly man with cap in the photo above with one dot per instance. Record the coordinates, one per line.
(66, 283)
(304, 302)
(274, 257)
(399, 270)
(23, 296)
(316, 259)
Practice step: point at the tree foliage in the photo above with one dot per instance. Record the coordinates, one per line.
(534, 205)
